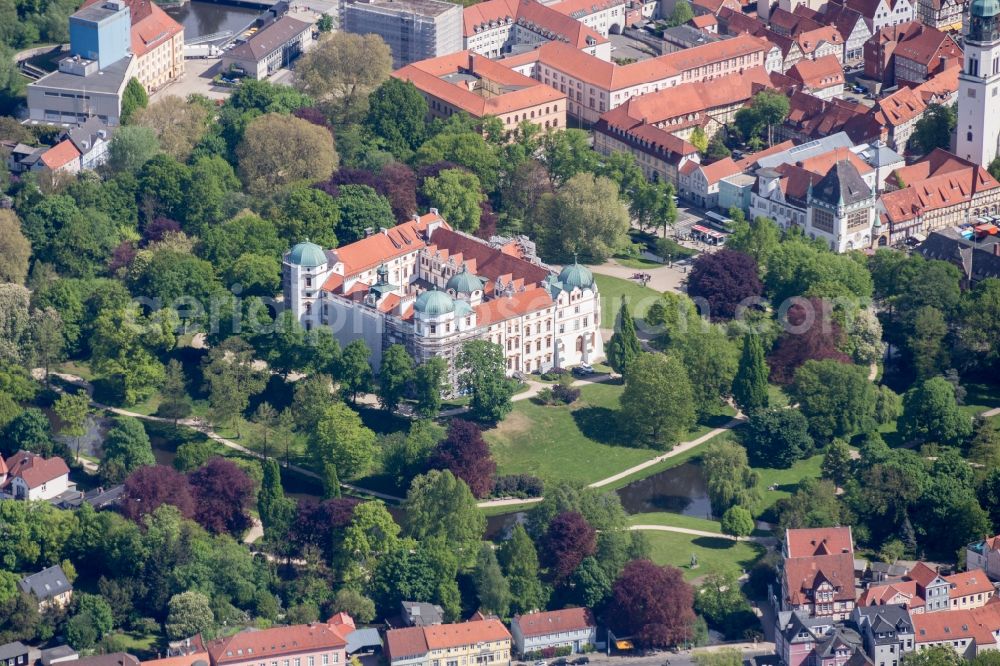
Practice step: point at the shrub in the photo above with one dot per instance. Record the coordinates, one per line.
(565, 394)
(518, 485)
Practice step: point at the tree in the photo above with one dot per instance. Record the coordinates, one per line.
(717, 149)
(355, 372)
(837, 462)
(728, 477)
(355, 604)
(710, 358)
(395, 374)
(737, 521)
(979, 330)
(276, 511)
(653, 604)
(777, 438)
(750, 382)
(568, 540)
(28, 431)
(697, 138)
(492, 589)
(97, 612)
(148, 488)
(458, 195)
(726, 281)
(810, 334)
(73, 409)
(342, 70)
(188, 613)
(342, 440)
(568, 153)
(134, 98)
(231, 378)
(361, 209)
(720, 600)
(484, 376)
(126, 448)
(937, 655)
(657, 405)
(130, 148)
(837, 398)
(520, 563)
(757, 120)
(265, 416)
(278, 151)
(931, 414)
(994, 167)
(440, 505)
(310, 400)
(179, 124)
(623, 347)
(48, 338)
(585, 216)
(15, 250)
(192, 455)
(331, 482)
(935, 127)
(758, 238)
(397, 115)
(429, 382)
(681, 13)
(466, 454)
(224, 495)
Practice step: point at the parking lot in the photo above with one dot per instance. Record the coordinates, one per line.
(623, 47)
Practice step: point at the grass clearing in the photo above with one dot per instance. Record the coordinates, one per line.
(675, 520)
(580, 443)
(714, 554)
(637, 262)
(639, 298)
(785, 481)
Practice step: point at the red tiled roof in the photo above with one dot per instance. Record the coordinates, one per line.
(517, 91)
(804, 574)
(811, 40)
(552, 622)
(414, 641)
(369, 252)
(267, 643)
(969, 582)
(879, 595)
(502, 308)
(977, 624)
(60, 155)
(704, 21)
(533, 15)
(406, 642)
(900, 107)
(153, 30)
(34, 469)
(490, 263)
(818, 74)
(183, 660)
(818, 541)
(823, 162)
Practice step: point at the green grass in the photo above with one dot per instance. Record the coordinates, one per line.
(580, 443)
(715, 554)
(491, 511)
(688, 456)
(81, 370)
(138, 644)
(980, 398)
(675, 520)
(639, 298)
(637, 262)
(776, 396)
(785, 480)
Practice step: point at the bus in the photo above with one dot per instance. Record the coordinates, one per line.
(720, 222)
(706, 235)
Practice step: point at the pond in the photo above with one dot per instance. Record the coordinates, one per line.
(203, 19)
(679, 489)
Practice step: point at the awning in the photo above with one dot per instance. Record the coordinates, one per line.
(624, 645)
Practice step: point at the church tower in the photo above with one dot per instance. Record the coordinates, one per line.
(978, 126)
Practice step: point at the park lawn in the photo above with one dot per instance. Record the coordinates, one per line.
(715, 554)
(637, 262)
(675, 520)
(776, 396)
(785, 480)
(81, 370)
(639, 298)
(980, 398)
(142, 645)
(580, 443)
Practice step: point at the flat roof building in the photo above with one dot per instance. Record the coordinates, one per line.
(413, 29)
(272, 48)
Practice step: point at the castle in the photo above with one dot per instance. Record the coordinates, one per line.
(430, 288)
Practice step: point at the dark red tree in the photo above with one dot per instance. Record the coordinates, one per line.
(224, 493)
(467, 455)
(148, 488)
(725, 279)
(810, 334)
(158, 228)
(122, 256)
(488, 221)
(321, 524)
(653, 604)
(569, 539)
(313, 115)
(398, 183)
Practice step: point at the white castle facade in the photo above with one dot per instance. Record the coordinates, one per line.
(429, 288)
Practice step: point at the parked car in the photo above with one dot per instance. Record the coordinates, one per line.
(583, 369)
(561, 661)
(579, 661)
(541, 662)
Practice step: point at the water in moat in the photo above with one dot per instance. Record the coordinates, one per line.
(203, 19)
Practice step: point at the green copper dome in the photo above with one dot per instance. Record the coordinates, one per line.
(574, 275)
(307, 255)
(984, 8)
(434, 303)
(464, 282)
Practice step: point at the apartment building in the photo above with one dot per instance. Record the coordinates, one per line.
(474, 643)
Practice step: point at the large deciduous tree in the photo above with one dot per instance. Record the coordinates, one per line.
(585, 217)
(725, 280)
(935, 128)
(810, 334)
(492, 589)
(130, 148)
(484, 376)
(777, 438)
(224, 495)
(653, 604)
(657, 405)
(126, 448)
(729, 479)
(837, 398)
(467, 455)
(520, 562)
(439, 504)
(395, 374)
(342, 70)
(15, 250)
(148, 488)
(188, 614)
(568, 540)
(232, 378)
(278, 151)
(361, 209)
(397, 114)
(134, 98)
(342, 439)
(931, 414)
(429, 382)
(458, 195)
(179, 124)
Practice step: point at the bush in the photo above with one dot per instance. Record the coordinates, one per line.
(555, 374)
(518, 485)
(565, 394)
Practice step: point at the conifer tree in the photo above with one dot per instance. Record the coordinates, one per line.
(276, 511)
(623, 347)
(331, 482)
(750, 384)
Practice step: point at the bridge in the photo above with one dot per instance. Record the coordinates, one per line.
(252, 4)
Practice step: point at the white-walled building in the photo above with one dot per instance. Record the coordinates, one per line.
(978, 123)
(29, 476)
(571, 627)
(430, 288)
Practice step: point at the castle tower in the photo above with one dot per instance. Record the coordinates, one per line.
(978, 127)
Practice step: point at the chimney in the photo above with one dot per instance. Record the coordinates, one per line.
(472, 63)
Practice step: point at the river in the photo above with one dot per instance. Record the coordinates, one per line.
(201, 19)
